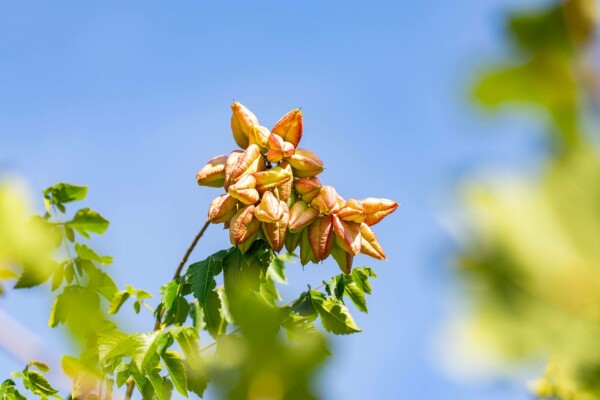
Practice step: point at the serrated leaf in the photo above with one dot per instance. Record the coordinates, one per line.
(335, 287)
(162, 386)
(39, 384)
(201, 275)
(213, 318)
(277, 270)
(147, 348)
(87, 221)
(197, 378)
(225, 311)
(335, 317)
(86, 253)
(197, 316)
(32, 277)
(58, 277)
(143, 384)
(100, 281)
(42, 366)
(117, 301)
(65, 193)
(174, 364)
(8, 391)
(189, 341)
(169, 292)
(268, 290)
(361, 275)
(355, 293)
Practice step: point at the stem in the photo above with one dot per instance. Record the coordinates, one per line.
(190, 249)
(130, 386)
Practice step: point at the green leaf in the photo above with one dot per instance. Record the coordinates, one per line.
(335, 317)
(201, 275)
(268, 290)
(7, 274)
(335, 287)
(38, 384)
(58, 277)
(32, 277)
(143, 384)
(147, 349)
(8, 391)
(197, 316)
(117, 301)
(100, 281)
(86, 221)
(225, 311)
(39, 365)
(162, 386)
(169, 292)
(355, 293)
(189, 341)
(361, 275)
(65, 193)
(277, 270)
(213, 318)
(197, 378)
(174, 364)
(86, 253)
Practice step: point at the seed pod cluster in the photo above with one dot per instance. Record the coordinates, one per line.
(272, 191)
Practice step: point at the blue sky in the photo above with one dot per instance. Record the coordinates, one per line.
(132, 98)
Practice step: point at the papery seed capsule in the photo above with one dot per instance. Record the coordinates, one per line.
(249, 162)
(270, 208)
(326, 201)
(275, 232)
(290, 127)
(271, 178)
(307, 188)
(242, 121)
(284, 191)
(245, 246)
(230, 163)
(292, 240)
(305, 163)
(306, 253)
(377, 209)
(353, 211)
(222, 209)
(213, 173)
(278, 148)
(260, 137)
(369, 243)
(243, 225)
(343, 259)
(244, 190)
(301, 215)
(320, 235)
(347, 235)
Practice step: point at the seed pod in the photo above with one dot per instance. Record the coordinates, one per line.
(284, 191)
(290, 127)
(213, 173)
(275, 232)
(377, 209)
(245, 246)
(243, 225)
(307, 188)
(326, 201)
(306, 253)
(321, 236)
(270, 209)
(242, 121)
(353, 211)
(305, 163)
(343, 259)
(232, 159)
(222, 209)
(292, 240)
(248, 162)
(278, 148)
(260, 136)
(244, 190)
(369, 243)
(301, 215)
(347, 235)
(271, 178)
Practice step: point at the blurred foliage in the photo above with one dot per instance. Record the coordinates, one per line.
(532, 263)
(258, 348)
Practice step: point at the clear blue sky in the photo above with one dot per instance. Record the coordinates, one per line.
(132, 98)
